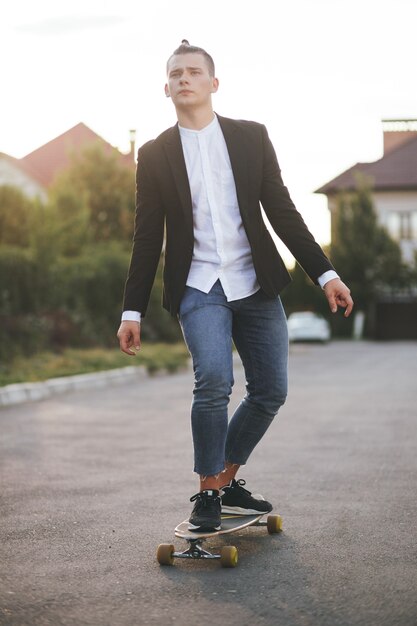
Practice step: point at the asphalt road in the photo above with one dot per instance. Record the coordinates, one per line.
(93, 481)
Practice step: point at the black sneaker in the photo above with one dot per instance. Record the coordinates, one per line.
(206, 514)
(236, 499)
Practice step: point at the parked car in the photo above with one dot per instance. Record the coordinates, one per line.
(308, 326)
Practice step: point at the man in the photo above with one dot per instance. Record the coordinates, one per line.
(201, 184)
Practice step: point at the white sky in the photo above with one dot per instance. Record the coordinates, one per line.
(321, 74)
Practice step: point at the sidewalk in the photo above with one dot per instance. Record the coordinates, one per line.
(30, 392)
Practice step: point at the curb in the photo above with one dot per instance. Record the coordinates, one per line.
(32, 392)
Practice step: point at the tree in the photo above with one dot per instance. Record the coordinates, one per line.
(15, 209)
(303, 295)
(70, 215)
(99, 183)
(63, 263)
(362, 250)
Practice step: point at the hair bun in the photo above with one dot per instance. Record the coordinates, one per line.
(185, 42)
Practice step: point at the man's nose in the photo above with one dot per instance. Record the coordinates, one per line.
(184, 79)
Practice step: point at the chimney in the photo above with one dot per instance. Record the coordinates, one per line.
(397, 132)
(132, 138)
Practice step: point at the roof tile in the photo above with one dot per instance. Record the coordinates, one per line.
(395, 170)
(45, 162)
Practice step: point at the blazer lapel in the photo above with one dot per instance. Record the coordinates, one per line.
(175, 155)
(238, 153)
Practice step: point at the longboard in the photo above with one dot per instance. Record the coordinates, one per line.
(228, 555)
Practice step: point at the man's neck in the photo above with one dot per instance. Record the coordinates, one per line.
(195, 120)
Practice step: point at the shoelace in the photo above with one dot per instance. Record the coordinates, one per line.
(240, 483)
(203, 497)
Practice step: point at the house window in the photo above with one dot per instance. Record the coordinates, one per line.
(402, 225)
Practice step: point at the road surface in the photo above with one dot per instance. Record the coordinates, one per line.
(93, 481)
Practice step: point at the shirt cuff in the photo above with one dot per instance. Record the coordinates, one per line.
(324, 278)
(131, 316)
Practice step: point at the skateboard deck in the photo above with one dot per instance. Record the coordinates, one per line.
(228, 555)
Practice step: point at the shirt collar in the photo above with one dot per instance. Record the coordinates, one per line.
(207, 130)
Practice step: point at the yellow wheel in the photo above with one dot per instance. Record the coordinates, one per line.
(274, 524)
(228, 556)
(164, 554)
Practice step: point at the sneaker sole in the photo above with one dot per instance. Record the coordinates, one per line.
(203, 529)
(240, 511)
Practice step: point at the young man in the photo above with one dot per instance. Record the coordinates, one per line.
(202, 183)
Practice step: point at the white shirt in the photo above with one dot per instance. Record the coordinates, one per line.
(221, 247)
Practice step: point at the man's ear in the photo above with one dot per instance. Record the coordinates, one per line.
(168, 95)
(215, 85)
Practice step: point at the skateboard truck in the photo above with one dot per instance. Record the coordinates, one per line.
(196, 551)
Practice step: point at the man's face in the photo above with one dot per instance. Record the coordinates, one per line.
(189, 82)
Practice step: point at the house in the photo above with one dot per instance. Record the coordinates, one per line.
(393, 180)
(16, 173)
(393, 183)
(35, 172)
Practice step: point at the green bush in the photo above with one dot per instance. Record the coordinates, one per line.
(89, 290)
(43, 365)
(18, 281)
(63, 263)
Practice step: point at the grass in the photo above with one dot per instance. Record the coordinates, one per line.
(44, 365)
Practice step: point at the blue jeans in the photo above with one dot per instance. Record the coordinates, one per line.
(257, 325)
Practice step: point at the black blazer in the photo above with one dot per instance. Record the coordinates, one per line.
(164, 209)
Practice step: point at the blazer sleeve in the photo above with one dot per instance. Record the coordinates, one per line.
(284, 218)
(147, 240)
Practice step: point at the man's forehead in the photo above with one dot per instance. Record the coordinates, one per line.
(182, 61)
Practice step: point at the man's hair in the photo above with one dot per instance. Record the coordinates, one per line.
(186, 48)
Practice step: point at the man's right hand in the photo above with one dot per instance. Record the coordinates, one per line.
(129, 337)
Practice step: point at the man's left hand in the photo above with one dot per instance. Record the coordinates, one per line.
(338, 294)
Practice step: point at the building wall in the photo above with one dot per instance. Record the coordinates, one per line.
(12, 175)
(397, 211)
